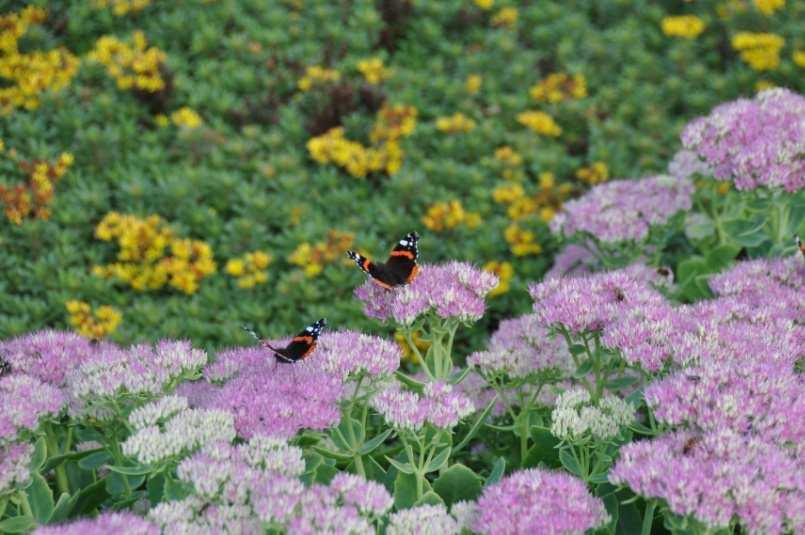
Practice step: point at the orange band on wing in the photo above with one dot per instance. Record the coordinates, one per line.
(403, 252)
(413, 274)
(381, 283)
(309, 350)
(306, 339)
(365, 264)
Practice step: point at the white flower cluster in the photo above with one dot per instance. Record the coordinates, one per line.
(157, 412)
(183, 433)
(275, 454)
(423, 520)
(576, 416)
(14, 469)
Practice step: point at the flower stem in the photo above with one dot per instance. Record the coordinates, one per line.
(26, 507)
(53, 450)
(648, 518)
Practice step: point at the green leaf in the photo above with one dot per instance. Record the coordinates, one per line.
(630, 519)
(477, 425)
(438, 460)
(404, 490)
(332, 454)
(429, 498)
(405, 468)
(698, 226)
(40, 455)
(569, 462)
(41, 498)
(498, 468)
(689, 268)
(584, 368)
(176, 490)
(53, 462)
(17, 524)
(577, 349)
(410, 382)
(544, 450)
(354, 437)
(90, 497)
(64, 507)
(746, 232)
(325, 473)
(607, 493)
(116, 483)
(458, 483)
(155, 488)
(722, 256)
(94, 460)
(599, 477)
(138, 470)
(371, 445)
(621, 382)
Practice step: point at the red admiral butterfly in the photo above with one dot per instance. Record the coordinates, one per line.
(800, 245)
(399, 269)
(5, 367)
(301, 346)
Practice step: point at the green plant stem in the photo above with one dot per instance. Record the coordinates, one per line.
(410, 340)
(358, 460)
(62, 482)
(648, 518)
(523, 438)
(26, 507)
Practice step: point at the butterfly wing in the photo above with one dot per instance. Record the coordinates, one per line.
(301, 345)
(401, 266)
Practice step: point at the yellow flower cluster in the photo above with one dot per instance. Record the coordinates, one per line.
(152, 256)
(315, 75)
(35, 195)
(522, 242)
(408, 352)
(133, 66)
(443, 216)
(506, 17)
(386, 155)
(313, 257)
(94, 325)
(122, 7)
(485, 4)
(761, 51)
(473, 83)
(544, 203)
(249, 269)
(504, 271)
(454, 124)
(373, 70)
(558, 87)
(25, 76)
(767, 7)
(511, 160)
(186, 117)
(685, 26)
(594, 174)
(540, 122)
(799, 57)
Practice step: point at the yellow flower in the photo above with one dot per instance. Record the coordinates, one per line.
(685, 26)
(486, 5)
(799, 57)
(186, 117)
(506, 17)
(508, 156)
(122, 7)
(313, 257)
(540, 122)
(547, 180)
(235, 267)
(132, 65)
(595, 174)
(508, 193)
(473, 83)
(521, 242)
(761, 51)
(315, 75)
(443, 216)
(97, 325)
(558, 87)
(767, 7)
(504, 271)
(373, 70)
(456, 123)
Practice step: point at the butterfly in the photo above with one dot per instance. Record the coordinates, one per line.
(5, 367)
(399, 269)
(301, 345)
(800, 245)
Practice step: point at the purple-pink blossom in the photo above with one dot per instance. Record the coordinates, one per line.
(15, 471)
(716, 477)
(452, 290)
(47, 355)
(522, 346)
(25, 400)
(345, 353)
(686, 163)
(441, 405)
(755, 143)
(538, 501)
(111, 522)
(624, 210)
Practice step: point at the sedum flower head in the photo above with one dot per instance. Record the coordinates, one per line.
(441, 405)
(47, 355)
(452, 290)
(25, 400)
(538, 501)
(346, 353)
(423, 520)
(15, 471)
(109, 522)
(577, 417)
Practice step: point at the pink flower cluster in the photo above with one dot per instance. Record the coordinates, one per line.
(624, 210)
(717, 477)
(14, 466)
(441, 405)
(25, 400)
(452, 290)
(755, 143)
(523, 346)
(47, 355)
(537, 501)
(349, 353)
(104, 524)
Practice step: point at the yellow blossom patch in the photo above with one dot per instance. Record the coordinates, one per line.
(799, 57)
(393, 122)
(151, 256)
(486, 5)
(187, 118)
(312, 258)
(684, 26)
(132, 65)
(315, 76)
(594, 174)
(407, 349)
(250, 269)
(454, 124)
(473, 83)
(93, 324)
(504, 271)
(558, 87)
(522, 242)
(761, 51)
(25, 76)
(443, 216)
(373, 70)
(122, 7)
(540, 122)
(767, 7)
(506, 17)
(34, 196)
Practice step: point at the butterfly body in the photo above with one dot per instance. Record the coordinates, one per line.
(300, 347)
(400, 268)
